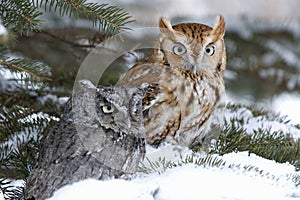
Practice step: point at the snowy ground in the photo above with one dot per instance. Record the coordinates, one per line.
(265, 179)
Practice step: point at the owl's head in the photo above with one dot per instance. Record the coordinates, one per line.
(193, 46)
(120, 108)
(109, 123)
(113, 107)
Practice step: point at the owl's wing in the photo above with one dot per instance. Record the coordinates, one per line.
(142, 73)
(162, 118)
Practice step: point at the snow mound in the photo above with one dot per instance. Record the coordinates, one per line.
(243, 176)
(252, 119)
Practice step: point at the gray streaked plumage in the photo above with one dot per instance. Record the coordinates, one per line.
(100, 136)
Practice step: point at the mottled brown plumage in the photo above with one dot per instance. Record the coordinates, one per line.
(185, 69)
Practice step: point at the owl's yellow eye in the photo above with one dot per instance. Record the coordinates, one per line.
(108, 109)
(179, 49)
(210, 50)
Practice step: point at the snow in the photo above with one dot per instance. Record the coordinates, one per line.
(12, 80)
(288, 104)
(244, 118)
(1, 195)
(234, 180)
(53, 98)
(7, 79)
(3, 30)
(168, 151)
(14, 184)
(244, 158)
(93, 189)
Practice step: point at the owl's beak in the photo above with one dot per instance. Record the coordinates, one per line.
(127, 122)
(123, 120)
(194, 68)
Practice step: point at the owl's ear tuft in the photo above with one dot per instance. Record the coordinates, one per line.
(86, 84)
(219, 27)
(165, 25)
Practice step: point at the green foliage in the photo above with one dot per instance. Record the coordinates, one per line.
(23, 16)
(109, 19)
(161, 165)
(277, 146)
(20, 16)
(27, 69)
(17, 159)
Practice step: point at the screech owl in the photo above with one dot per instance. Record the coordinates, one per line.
(185, 68)
(100, 135)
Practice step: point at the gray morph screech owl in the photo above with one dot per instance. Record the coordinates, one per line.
(100, 135)
(185, 68)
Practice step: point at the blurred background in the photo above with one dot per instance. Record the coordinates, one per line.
(262, 40)
(147, 12)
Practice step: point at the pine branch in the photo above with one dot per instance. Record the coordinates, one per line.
(71, 43)
(19, 154)
(29, 70)
(20, 132)
(278, 146)
(162, 164)
(18, 120)
(20, 16)
(109, 19)
(23, 16)
(31, 99)
(296, 179)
